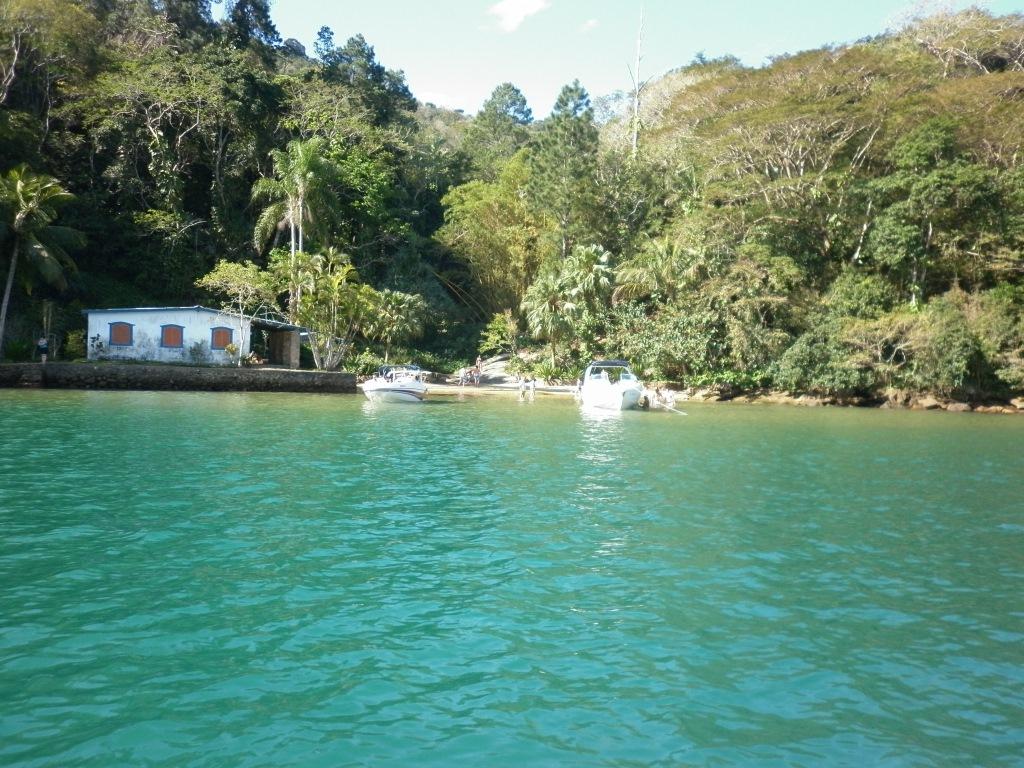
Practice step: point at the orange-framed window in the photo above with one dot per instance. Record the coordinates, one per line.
(220, 337)
(122, 334)
(172, 336)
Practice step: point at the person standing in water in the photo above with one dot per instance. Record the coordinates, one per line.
(43, 348)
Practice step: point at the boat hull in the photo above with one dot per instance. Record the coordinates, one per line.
(610, 385)
(612, 398)
(412, 392)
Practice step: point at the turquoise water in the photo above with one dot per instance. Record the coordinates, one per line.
(277, 580)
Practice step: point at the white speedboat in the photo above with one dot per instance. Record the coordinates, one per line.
(610, 385)
(396, 384)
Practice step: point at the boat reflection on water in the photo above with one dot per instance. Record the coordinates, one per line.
(595, 415)
(602, 431)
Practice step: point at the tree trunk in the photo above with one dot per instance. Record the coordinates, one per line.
(293, 303)
(7, 294)
(298, 286)
(637, 85)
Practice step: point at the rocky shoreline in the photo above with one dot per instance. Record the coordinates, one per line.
(894, 399)
(495, 380)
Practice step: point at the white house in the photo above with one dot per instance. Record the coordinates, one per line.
(166, 334)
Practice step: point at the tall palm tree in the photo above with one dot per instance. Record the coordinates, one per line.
(397, 316)
(654, 271)
(587, 275)
(29, 203)
(548, 309)
(296, 197)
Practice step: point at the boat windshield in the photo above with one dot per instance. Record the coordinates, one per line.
(611, 373)
(393, 372)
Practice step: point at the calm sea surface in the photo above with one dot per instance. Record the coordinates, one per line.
(289, 580)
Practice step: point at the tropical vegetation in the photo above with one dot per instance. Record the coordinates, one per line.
(841, 221)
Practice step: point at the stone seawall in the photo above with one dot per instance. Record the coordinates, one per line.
(174, 377)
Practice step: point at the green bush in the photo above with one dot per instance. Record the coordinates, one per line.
(500, 335)
(18, 351)
(856, 294)
(996, 319)
(365, 363)
(944, 352)
(739, 380)
(678, 343)
(548, 372)
(821, 361)
(437, 362)
(74, 345)
(516, 366)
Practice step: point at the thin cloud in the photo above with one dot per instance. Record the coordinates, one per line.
(512, 13)
(588, 25)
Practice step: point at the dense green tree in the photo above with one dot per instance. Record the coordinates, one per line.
(192, 18)
(44, 43)
(249, 20)
(491, 228)
(654, 272)
(382, 93)
(547, 308)
(996, 319)
(498, 131)
(938, 214)
(563, 164)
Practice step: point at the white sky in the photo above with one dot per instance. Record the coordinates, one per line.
(455, 52)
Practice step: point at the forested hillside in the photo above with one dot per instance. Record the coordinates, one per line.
(841, 221)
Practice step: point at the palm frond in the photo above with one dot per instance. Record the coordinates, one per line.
(273, 218)
(48, 260)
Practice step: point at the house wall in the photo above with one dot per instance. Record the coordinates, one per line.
(198, 325)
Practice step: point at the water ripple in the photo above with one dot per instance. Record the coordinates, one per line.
(250, 580)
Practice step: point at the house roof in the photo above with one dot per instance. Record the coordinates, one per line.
(275, 325)
(197, 307)
(269, 323)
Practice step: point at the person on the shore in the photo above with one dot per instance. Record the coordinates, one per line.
(43, 348)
